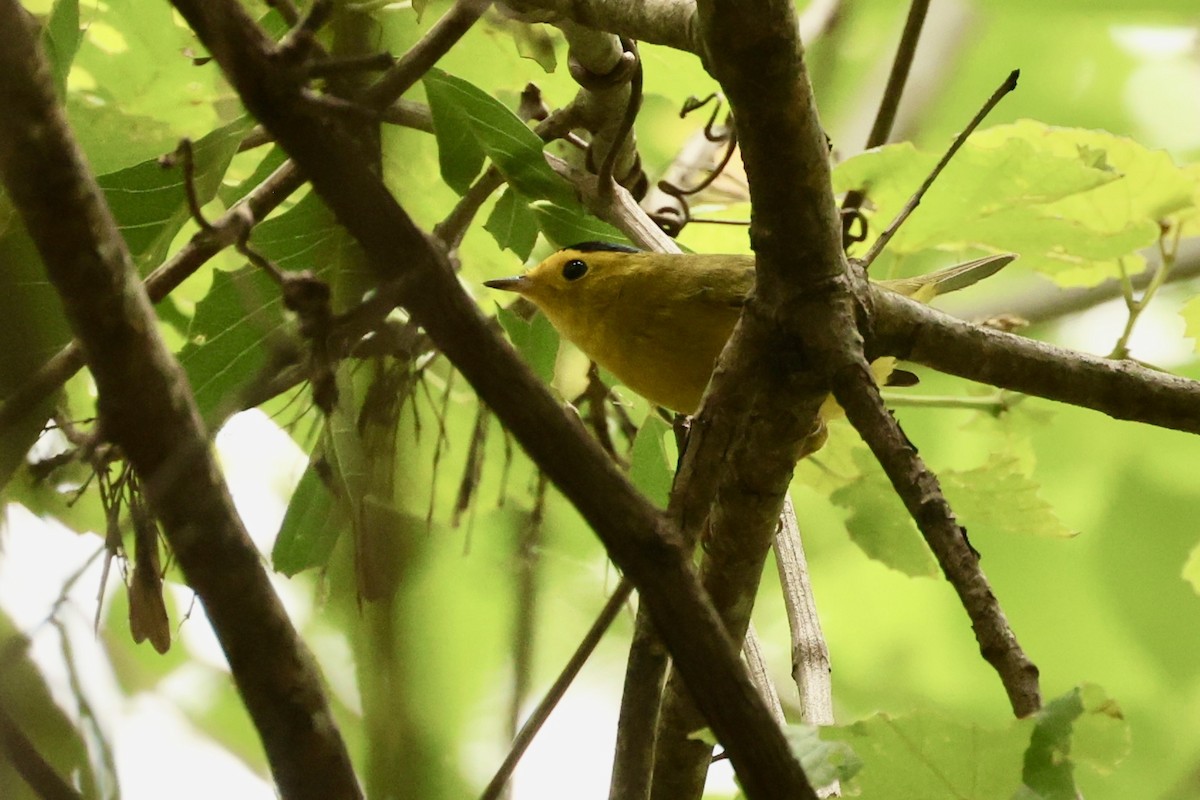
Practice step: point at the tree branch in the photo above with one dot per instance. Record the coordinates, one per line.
(25, 759)
(760, 414)
(442, 35)
(857, 392)
(147, 408)
(672, 23)
(1121, 389)
(635, 534)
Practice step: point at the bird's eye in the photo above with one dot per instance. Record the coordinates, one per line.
(574, 269)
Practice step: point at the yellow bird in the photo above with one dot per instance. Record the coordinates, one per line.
(658, 321)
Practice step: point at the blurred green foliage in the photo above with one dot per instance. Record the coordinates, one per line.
(1086, 525)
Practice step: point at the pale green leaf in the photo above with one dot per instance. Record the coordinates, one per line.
(924, 755)
(512, 224)
(60, 40)
(310, 527)
(508, 142)
(149, 200)
(535, 42)
(460, 155)
(566, 225)
(1082, 726)
(823, 761)
(1070, 201)
(649, 468)
(997, 498)
(879, 523)
(1191, 569)
(241, 319)
(1191, 319)
(535, 339)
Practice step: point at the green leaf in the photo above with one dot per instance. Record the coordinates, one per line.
(566, 225)
(35, 330)
(60, 41)
(998, 498)
(242, 316)
(1150, 187)
(1071, 201)
(230, 337)
(1191, 569)
(1191, 319)
(536, 341)
(823, 762)
(535, 43)
(1082, 726)
(508, 142)
(879, 523)
(650, 469)
(229, 194)
(927, 756)
(512, 224)
(135, 89)
(995, 499)
(149, 201)
(310, 527)
(460, 154)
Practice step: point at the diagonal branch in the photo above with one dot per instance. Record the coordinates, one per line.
(857, 392)
(637, 537)
(147, 408)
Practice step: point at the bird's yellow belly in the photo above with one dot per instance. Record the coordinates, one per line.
(670, 368)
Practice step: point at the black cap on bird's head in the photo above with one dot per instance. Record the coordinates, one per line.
(600, 247)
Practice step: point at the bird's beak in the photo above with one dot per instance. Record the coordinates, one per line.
(516, 283)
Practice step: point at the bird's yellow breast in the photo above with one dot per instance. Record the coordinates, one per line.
(656, 322)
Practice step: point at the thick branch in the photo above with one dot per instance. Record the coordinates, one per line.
(1121, 389)
(637, 537)
(147, 408)
(761, 408)
(667, 22)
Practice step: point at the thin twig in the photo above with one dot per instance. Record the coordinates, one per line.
(637, 723)
(810, 654)
(886, 116)
(526, 601)
(1135, 306)
(1007, 86)
(409, 68)
(554, 694)
(756, 664)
